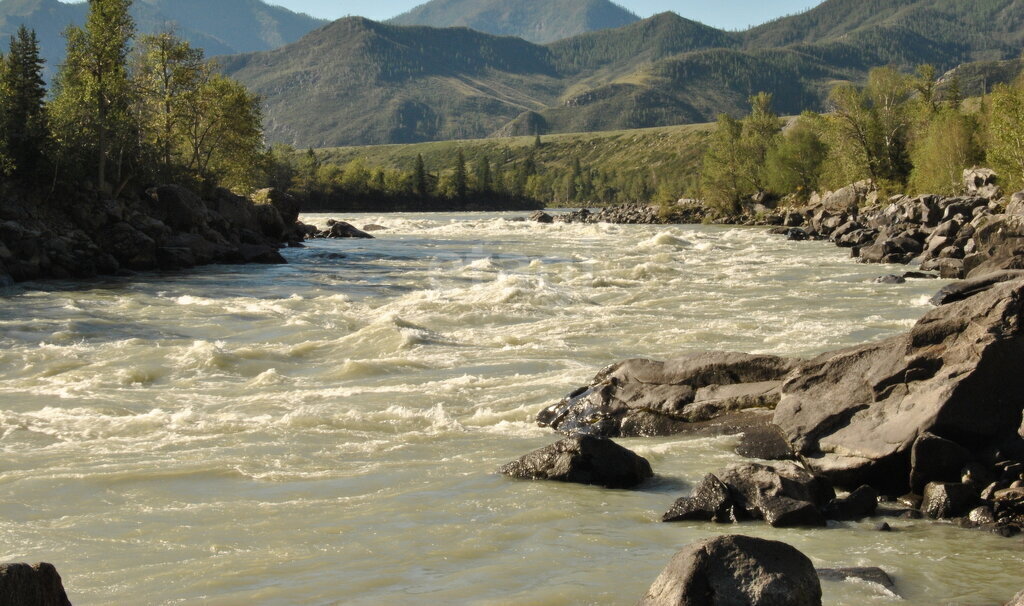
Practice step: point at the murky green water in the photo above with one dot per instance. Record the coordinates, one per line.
(327, 431)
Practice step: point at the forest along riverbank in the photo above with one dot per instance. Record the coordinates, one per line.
(344, 415)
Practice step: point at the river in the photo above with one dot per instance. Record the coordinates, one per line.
(328, 431)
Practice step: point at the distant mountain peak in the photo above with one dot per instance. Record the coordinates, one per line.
(218, 26)
(538, 21)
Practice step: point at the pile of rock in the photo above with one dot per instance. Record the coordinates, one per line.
(784, 495)
(633, 213)
(169, 227)
(959, 237)
(336, 229)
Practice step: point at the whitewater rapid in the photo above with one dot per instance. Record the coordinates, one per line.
(327, 431)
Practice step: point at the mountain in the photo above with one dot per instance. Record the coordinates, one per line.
(538, 21)
(358, 82)
(218, 26)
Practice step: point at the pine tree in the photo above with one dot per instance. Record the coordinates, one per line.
(22, 111)
(420, 184)
(483, 179)
(460, 179)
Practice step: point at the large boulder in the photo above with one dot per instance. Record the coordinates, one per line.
(31, 585)
(783, 494)
(583, 460)
(855, 414)
(176, 206)
(648, 398)
(735, 570)
(287, 205)
(999, 245)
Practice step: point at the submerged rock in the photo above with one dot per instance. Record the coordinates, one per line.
(31, 585)
(872, 575)
(583, 460)
(735, 570)
(648, 398)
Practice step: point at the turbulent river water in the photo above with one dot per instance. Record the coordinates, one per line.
(328, 431)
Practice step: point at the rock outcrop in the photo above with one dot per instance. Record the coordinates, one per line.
(167, 227)
(735, 570)
(31, 585)
(856, 414)
(649, 398)
(582, 460)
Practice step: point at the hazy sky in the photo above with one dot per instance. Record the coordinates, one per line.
(728, 14)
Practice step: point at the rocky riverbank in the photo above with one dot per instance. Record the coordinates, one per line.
(167, 227)
(926, 424)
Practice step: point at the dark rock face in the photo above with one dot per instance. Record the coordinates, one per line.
(856, 414)
(583, 460)
(861, 503)
(935, 459)
(734, 570)
(647, 398)
(31, 585)
(711, 502)
(168, 227)
(766, 442)
(541, 217)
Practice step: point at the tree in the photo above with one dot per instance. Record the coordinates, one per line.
(460, 183)
(721, 182)
(168, 75)
(759, 136)
(1006, 133)
(23, 119)
(6, 165)
(794, 165)
(483, 181)
(868, 129)
(92, 107)
(224, 134)
(420, 184)
(947, 145)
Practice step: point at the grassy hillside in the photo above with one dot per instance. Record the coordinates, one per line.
(636, 162)
(534, 20)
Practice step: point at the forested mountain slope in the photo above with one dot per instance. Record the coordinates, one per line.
(358, 82)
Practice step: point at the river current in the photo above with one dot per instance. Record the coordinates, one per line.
(328, 431)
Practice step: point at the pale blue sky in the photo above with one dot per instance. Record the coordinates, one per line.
(728, 14)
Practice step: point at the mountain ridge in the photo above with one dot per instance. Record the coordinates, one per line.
(538, 21)
(220, 27)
